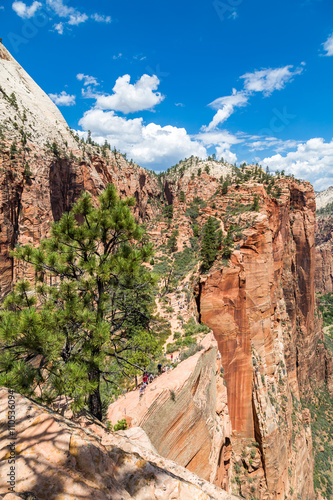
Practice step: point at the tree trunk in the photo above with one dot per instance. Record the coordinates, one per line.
(95, 402)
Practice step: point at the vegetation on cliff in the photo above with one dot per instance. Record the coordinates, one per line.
(86, 322)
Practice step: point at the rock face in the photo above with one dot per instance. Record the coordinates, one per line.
(57, 459)
(185, 415)
(261, 309)
(245, 432)
(324, 255)
(28, 204)
(323, 198)
(24, 105)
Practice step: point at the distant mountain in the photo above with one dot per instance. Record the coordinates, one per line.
(323, 198)
(24, 105)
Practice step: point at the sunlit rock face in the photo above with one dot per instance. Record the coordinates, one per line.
(261, 309)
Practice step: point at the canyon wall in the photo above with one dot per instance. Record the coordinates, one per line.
(261, 309)
(29, 203)
(324, 254)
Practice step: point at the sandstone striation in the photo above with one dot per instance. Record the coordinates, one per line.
(57, 459)
(185, 415)
(231, 414)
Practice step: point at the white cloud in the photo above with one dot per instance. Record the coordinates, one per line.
(77, 18)
(225, 107)
(24, 11)
(225, 153)
(222, 140)
(2, 7)
(268, 80)
(129, 98)
(117, 56)
(63, 99)
(147, 144)
(87, 80)
(59, 28)
(328, 46)
(265, 142)
(101, 18)
(71, 15)
(312, 160)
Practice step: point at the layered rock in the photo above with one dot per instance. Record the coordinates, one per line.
(261, 309)
(324, 254)
(29, 202)
(54, 458)
(185, 415)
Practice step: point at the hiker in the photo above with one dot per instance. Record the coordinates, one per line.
(151, 378)
(159, 367)
(142, 389)
(145, 378)
(171, 358)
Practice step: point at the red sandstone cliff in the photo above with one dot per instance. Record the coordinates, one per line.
(260, 305)
(324, 254)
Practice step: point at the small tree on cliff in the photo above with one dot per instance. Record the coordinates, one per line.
(87, 320)
(211, 241)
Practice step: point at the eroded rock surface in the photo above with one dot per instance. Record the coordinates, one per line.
(57, 459)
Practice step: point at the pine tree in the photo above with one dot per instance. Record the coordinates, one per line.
(211, 241)
(86, 322)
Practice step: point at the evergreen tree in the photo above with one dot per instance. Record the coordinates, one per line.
(211, 241)
(172, 241)
(87, 321)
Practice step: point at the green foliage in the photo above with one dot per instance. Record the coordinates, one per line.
(325, 210)
(87, 320)
(225, 186)
(256, 205)
(172, 241)
(168, 212)
(27, 172)
(121, 425)
(326, 308)
(181, 196)
(211, 242)
(55, 149)
(13, 150)
(190, 351)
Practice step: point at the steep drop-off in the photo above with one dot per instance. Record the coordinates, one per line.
(240, 425)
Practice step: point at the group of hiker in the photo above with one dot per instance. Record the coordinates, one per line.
(149, 377)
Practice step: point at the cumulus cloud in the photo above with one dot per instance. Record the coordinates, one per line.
(24, 11)
(222, 140)
(328, 46)
(63, 99)
(71, 16)
(129, 98)
(311, 160)
(59, 28)
(268, 80)
(101, 19)
(225, 107)
(87, 80)
(148, 145)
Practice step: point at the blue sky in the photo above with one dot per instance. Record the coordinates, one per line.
(248, 80)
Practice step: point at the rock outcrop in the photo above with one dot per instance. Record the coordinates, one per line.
(324, 253)
(52, 458)
(242, 428)
(185, 415)
(261, 309)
